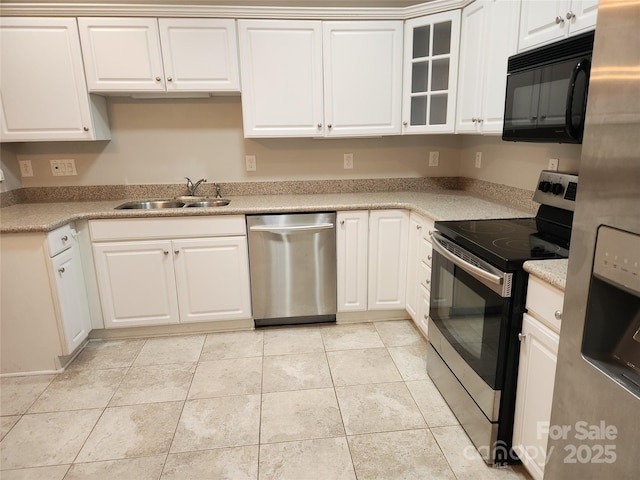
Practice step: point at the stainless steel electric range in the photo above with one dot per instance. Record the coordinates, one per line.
(477, 301)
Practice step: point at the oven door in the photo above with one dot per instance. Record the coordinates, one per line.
(471, 307)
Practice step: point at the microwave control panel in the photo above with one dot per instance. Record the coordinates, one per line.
(557, 189)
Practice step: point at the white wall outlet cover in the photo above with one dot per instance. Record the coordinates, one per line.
(26, 170)
(553, 164)
(348, 161)
(434, 159)
(250, 163)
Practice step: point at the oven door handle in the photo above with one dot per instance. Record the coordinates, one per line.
(487, 273)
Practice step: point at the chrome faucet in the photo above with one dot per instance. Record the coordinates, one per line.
(192, 187)
(218, 192)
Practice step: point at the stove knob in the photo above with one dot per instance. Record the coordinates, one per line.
(544, 186)
(557, 188)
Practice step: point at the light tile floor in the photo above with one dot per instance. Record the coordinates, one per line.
(326, 402)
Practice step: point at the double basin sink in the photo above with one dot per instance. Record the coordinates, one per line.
(178, 202)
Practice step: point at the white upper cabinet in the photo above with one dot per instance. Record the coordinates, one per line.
(489, 37)
(199, 54)
(281, 67)
(548, 21)
(430, 73)
(43, 94)
(313, 79)
(362, 78)
(126, 54)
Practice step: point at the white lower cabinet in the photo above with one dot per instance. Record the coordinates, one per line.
(418, 284)
(536, 375)
(388, 243)
(352, 258)
(172, 280)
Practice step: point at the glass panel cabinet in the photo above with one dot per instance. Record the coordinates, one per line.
(430, 73)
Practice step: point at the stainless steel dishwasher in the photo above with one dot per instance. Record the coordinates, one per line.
(292, 258)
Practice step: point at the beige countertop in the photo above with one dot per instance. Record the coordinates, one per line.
(554, 272)
(437, 205)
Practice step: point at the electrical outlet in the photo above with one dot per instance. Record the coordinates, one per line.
(26, 170)
(478, 159)
(250, 162)
(553, 164)
(434, 159)
(348, 161)
(63, 168)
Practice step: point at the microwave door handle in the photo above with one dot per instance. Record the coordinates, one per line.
(583, 65)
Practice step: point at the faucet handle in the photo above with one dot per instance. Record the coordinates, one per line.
(218, 192)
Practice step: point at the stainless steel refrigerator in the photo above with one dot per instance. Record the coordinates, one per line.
(595, 418)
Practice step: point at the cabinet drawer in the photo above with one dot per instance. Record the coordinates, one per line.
(545, 303)
(426, 251)
(60, 239)
(424, 276)
(172, 227)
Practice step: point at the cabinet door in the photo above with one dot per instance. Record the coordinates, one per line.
(43, 94)
(199, 54)
(501, 33)
(542, 23)
(352, 253)
(536, 375)
(413, 265)
(583, 16)
(72, 299)
(136, 283)
(430, 73)
(388, 242)
(281, 71)
(121, 54)
(212, 276)
(362, 77)
(471, 74)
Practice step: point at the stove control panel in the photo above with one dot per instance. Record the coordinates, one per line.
(557, 189)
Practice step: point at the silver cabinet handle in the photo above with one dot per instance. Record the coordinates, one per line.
(166, 252)
(474, 119)
(418, 227)
(522, 336)
(405, 123)
(169, 79)
(427, 282)
(426, 317)
(429, 257)
(480, 120)
(319, 125)
(570, 15)
(559, 20)
(158, 79)
(341, 222)
(86, 129)
(61, 269)
(64, 238)
(558, 315)
(176, 252)
(329, 126)
(293, 228)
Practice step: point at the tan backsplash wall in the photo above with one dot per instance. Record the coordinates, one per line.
(162, 141)
(514, 164)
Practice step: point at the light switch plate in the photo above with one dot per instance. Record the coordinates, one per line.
(434, 159)
(250, 163)
(26, 170)
(348, 161)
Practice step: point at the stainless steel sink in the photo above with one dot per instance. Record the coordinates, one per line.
(150, 204)
(157, 204)
(214, 202)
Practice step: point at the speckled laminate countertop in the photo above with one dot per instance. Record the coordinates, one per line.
(438, 205)
(554, 272)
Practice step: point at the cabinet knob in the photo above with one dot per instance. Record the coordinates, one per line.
(176, 252)
(426, 317)
(61, 270)
(522, 336)
(319, 126)
(158, 79)
(427, 282)
(480, 120)
(169, 79)
(570, 15)
(474, 119)
(418, 227)
(64, 238)
(166, 252)
(405, 123)
(430, 232)
(559, 20)
(429, 257)
(329, 126)
(341, 222)
(558, 315)
(86, 129)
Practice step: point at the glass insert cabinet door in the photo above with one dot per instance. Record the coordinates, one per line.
(430, 73)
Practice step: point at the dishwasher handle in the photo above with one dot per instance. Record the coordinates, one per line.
(291, 228)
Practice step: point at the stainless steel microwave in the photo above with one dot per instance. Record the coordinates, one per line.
(546, 98)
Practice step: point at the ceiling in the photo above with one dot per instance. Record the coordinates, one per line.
(259, 3)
